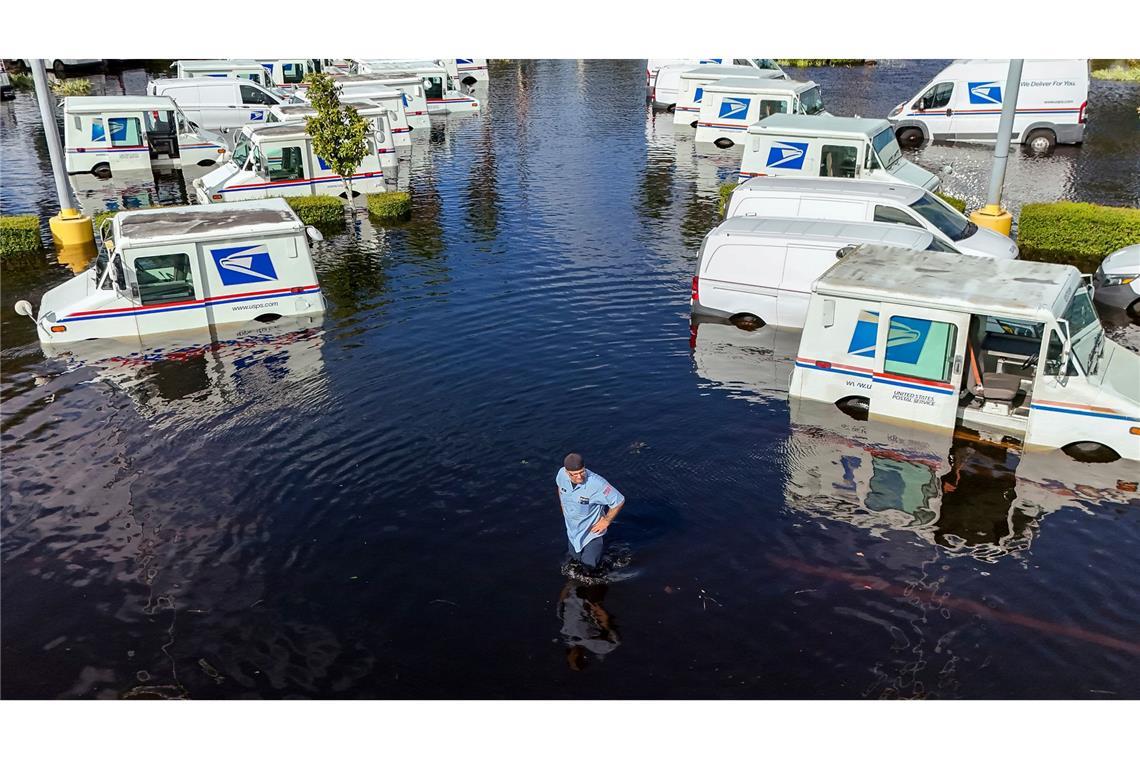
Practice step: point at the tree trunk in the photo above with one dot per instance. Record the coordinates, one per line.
(348, 195)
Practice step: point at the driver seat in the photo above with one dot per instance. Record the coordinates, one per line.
(991, 386)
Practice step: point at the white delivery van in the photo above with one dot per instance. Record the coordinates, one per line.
(278, 160)
(183, 268)
(1006, 348)
(692, 85)
(761, 269)
(410, 84)
(440, 91)
(377, 115)
(107, 134)
(669, 86)
(796, 145)
(225, 103)
(730, 106)
(468, 71)
(866, 200)
(964, 103)
(222, 68)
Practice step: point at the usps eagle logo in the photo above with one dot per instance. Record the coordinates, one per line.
(787, 155)
(244, 265)
(985, 93)
(734, 108)
(257, 116)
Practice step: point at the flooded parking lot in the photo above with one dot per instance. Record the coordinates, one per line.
(361, 505)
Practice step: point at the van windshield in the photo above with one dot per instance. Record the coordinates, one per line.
(887, 148)
(952, 224)
(766, 63)
(241, 151)
(811, 101)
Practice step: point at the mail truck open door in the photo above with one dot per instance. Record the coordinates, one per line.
(919, 359)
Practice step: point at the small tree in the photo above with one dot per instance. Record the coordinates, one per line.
(339, 133)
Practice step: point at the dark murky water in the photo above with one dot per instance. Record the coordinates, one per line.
(362, 506)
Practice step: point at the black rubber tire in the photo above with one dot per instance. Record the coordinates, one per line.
(206, 162)
(1046, 140)
(469, 81)
(747, 322)
(1087, 451)
(723, 143)
(910, 137)
(59, 69)
(1133, 311)
(101, 171)
(671, 108)
(855, 407)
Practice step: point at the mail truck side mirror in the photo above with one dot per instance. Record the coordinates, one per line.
(314, 234)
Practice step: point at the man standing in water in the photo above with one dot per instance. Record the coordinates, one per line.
(589, 505)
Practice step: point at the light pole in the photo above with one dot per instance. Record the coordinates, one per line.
(68, 228)
(992, 215)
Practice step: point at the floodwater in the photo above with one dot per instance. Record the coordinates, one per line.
(362, 505)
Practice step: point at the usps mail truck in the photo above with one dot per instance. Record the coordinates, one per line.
(468, 71)
(406, 82)
(376, 114)
(927, 338)
(186, 268)
(730, 106)
(222, 68)
(278, 160)
(653, 67)
(106, 134)
(693, 82)
(963, 103)
(440, 91)
(828, 146)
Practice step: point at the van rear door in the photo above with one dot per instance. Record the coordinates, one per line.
(919, 356)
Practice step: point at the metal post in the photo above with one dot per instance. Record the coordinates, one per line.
(992, 215)
(51, 134)
(70, 230)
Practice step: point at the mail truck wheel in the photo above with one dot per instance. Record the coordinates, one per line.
(746, 321)
(469, 80)
(102, 171)
(1133, 311)
(909, 137)
(1041, 142)
(1088, 451)
(723, 143)
(207, 162)
(856, 407)
(59, 68)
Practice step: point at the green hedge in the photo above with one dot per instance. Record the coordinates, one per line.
(957, 203)
(1081, 234)
(392, 205)
(20, 234)
(322, 211)
(725, 192)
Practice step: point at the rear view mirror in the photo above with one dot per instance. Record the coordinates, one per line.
(24, 309)
(314, 234)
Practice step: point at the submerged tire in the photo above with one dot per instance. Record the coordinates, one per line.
(1133, 311)
(747, 322)
(1088, 451)
(909, 137)
(856, 407)
(723, 143)
(101, 171)
(1040, 142)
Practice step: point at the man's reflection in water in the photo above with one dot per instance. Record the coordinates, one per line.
(587, 629)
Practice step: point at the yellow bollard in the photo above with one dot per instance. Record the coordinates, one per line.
(993, 217)
(71, 228)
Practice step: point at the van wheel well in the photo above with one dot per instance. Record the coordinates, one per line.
(1090, 451)
(746, 321)
(856, 407)
(1041, 142)
(344, 197)
(909, 137)
(101, 170)
(267, 318)
(207, 162)
(469, 80)
(723, 142)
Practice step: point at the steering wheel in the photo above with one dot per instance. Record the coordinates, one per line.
(1030, 362)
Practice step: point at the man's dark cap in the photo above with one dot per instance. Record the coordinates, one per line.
(573, 462)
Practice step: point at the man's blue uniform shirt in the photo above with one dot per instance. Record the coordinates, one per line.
(583, 504)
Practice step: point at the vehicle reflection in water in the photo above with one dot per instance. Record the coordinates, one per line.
(194, 378)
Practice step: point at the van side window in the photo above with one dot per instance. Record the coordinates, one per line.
(125, 131)
(292, 73)
(78, 123)
(895, 216)
(433, 87)
(769, 107)
(937, 96)
(838, 160)
(285, 163)
(920, 348)
(163, 279)
(98, 131)
(251, 96)
(741, 62)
